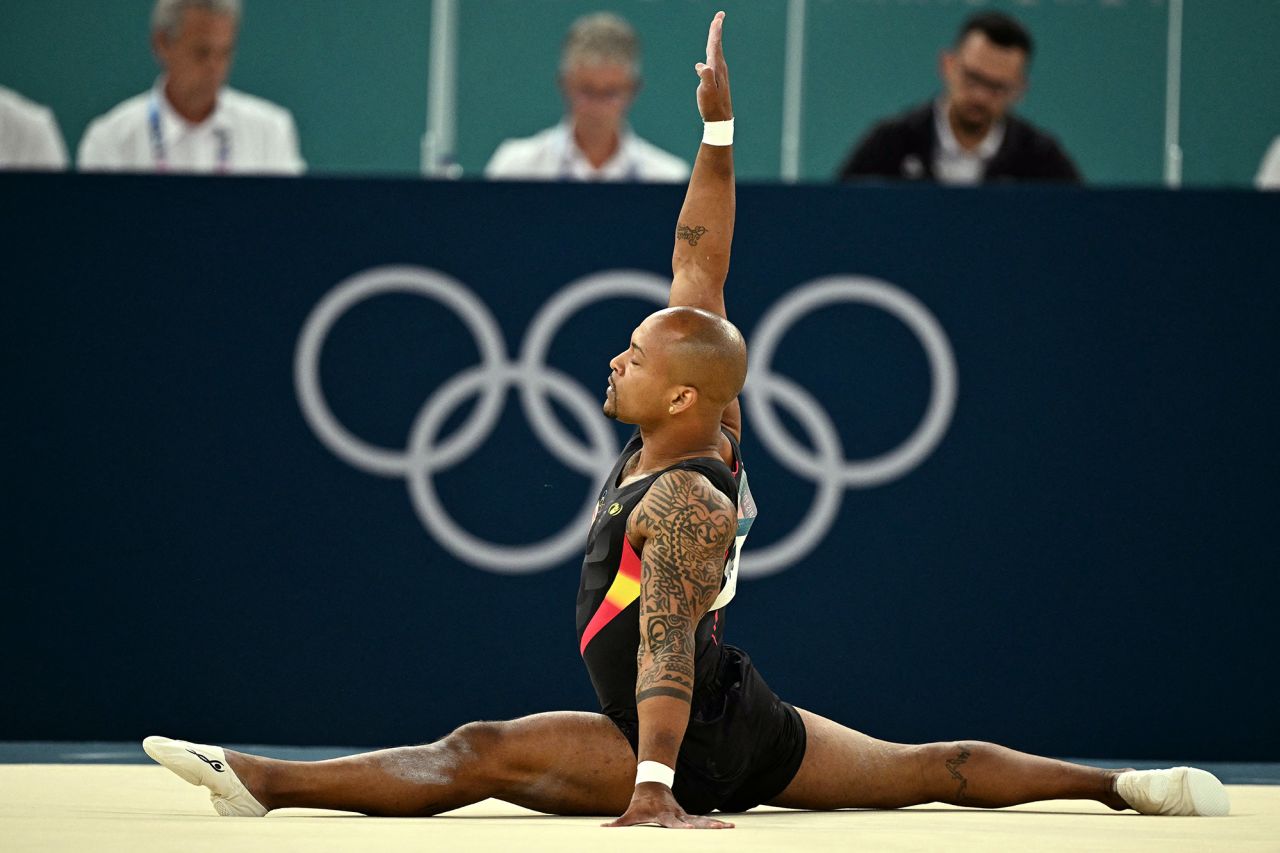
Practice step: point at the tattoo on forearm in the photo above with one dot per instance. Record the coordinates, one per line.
(668, 645)
(688, 527)
(690, 235)
(953, 767)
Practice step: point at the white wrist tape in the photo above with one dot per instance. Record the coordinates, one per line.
(655, 771)
(717, 132)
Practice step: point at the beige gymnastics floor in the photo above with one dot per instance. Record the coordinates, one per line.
(59, 807)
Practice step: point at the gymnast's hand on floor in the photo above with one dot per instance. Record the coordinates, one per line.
(653, 803)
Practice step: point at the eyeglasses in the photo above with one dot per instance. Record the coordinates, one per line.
(977, 80)
(611, 94)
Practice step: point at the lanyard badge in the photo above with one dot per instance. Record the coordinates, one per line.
(159, 152)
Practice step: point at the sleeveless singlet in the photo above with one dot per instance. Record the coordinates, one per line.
(608, 613)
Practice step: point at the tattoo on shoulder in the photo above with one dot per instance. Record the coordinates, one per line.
(690, 235)
(689, 520)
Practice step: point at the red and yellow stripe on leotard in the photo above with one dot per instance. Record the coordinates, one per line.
(624, 590)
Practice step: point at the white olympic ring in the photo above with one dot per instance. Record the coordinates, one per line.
(827, 467)
(536, 380)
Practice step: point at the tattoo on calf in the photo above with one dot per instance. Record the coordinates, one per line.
(953, 767)
(690, 235)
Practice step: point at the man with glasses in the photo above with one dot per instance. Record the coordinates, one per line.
(599, 78)
(968, 135)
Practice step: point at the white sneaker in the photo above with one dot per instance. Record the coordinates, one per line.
(205, 765)
(1177, 791)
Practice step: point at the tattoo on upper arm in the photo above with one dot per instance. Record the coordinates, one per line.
(688, 525)
(690, 235)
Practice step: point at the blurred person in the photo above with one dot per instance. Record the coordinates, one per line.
(968, 135)
(599, 79)
(190, 121)
(1269, 172)
(29, 135)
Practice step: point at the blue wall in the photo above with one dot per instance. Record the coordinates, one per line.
(1085, 563)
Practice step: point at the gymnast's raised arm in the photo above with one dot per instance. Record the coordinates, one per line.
(704, 231)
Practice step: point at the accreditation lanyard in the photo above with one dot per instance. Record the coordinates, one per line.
(160, 153)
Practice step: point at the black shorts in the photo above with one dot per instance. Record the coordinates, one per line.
(743, 745)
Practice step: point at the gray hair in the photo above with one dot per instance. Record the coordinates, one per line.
(167, 14)
(601, 37)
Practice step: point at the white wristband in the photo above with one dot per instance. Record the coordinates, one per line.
(717, 132)
(655, 771)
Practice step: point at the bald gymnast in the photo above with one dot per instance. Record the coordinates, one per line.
(687, 726)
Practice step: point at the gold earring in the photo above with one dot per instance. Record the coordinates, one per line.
(671, 410)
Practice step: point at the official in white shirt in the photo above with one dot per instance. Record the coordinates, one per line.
(599, 78)
(29, 136)
(190, 121)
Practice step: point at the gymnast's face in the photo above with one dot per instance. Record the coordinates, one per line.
(638, 379)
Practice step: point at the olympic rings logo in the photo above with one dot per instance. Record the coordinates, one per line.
(537, 383)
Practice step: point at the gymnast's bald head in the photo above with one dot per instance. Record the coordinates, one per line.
(702, 350)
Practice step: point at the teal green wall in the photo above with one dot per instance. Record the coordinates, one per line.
(354, 74)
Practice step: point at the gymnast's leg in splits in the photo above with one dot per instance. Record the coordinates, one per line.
(565, 763)
(843, 768)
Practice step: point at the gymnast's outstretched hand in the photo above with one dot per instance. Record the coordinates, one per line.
(713, 76)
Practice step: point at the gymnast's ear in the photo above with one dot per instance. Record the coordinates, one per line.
(683, 397)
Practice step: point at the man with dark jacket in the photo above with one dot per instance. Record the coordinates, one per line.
(968, 135)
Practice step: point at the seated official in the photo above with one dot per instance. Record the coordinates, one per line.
(599, 78)
(968, 135)
(190, 121)
(29, 136)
